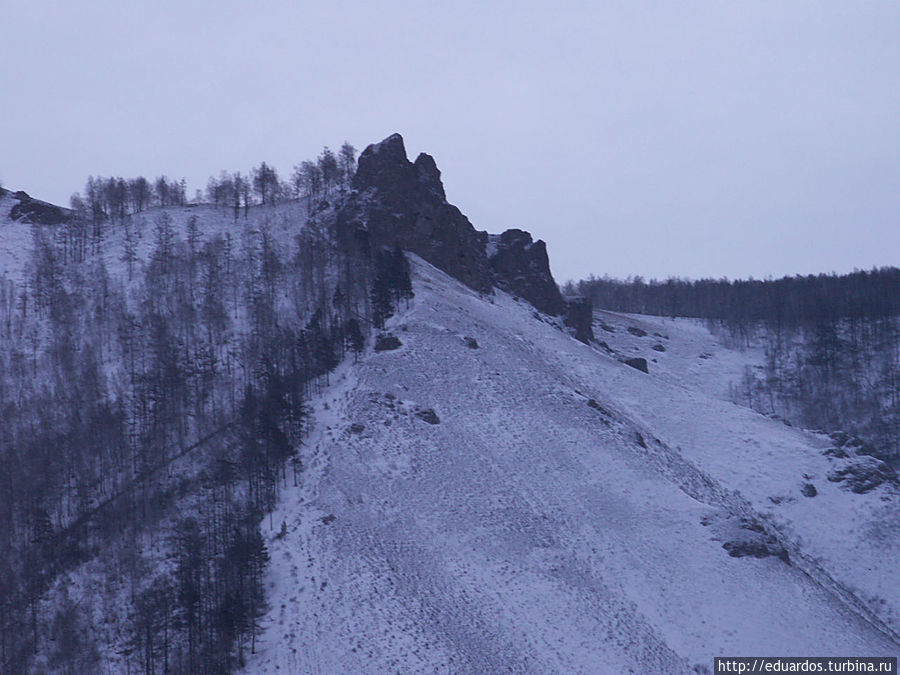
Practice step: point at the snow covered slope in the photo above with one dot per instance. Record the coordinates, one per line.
(15, 242)
(282, 222)
(561, 511)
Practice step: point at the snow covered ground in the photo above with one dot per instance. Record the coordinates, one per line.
(566, 513)
(281, 221)
(15, 242)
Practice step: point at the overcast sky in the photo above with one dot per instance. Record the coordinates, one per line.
(659, 138)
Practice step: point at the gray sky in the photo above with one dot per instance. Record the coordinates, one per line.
(652, 138)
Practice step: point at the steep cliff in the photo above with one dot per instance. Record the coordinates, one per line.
(401, 202)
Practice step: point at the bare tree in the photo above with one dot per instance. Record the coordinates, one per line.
(307, 181)
(139, 193)
(265, 183)
(328, 167)
(346, 164)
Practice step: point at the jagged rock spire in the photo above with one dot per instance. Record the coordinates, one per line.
(398, 202)
(401, 202)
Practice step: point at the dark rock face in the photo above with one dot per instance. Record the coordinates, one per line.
(31, 210)
(400, 202)
(809, 490)
(521, 267)
(429, 175)
(580, 316)
(638, 363)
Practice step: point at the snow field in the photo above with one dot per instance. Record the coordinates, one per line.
(531, 532)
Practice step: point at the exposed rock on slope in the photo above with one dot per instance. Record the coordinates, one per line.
(385, 343)
(521, 266)
(580, 316)
(31, 210)
(638, 363)
(401, 202)
(863, 474)
(398, 202)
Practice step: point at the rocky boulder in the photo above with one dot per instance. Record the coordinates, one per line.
(638, 363)
(745, 537)
(428, 415)
(756, 547)
(580, 316)
(387, 342)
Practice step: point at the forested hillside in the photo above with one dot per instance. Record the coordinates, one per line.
(156, 355)
(831, 343)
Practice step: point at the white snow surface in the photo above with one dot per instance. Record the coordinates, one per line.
(531, 532)
(15, 240)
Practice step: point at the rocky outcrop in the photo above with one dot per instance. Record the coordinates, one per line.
(638, 363)
(580, 317)
(398, 202)
(520, 266)
(743, 537)
(863, 474)
(31, 210)
(387, 342)
(427, 415)
(756, 547)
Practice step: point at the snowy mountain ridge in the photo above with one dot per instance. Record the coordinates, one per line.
(497, 479)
